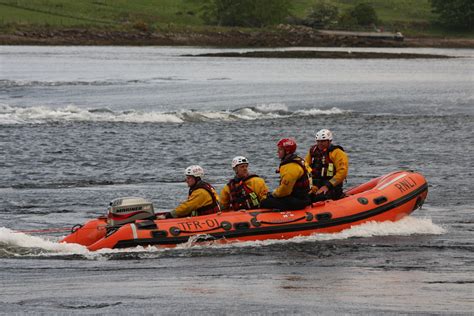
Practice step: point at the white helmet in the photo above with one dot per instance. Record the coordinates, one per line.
(195, 171)
(239, 160)
(324, 134)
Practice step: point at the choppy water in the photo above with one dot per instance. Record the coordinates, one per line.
(80, 126)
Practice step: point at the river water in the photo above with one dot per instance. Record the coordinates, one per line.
(80, 126)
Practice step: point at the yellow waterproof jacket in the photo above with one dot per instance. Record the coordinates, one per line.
(290, 173)
(256, 184)
(197, 199)
(341, 164)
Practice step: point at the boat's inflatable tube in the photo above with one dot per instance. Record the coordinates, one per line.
(387, 198)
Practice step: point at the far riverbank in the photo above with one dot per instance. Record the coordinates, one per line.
(284, 36)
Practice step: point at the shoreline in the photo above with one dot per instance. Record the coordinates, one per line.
(285, 36)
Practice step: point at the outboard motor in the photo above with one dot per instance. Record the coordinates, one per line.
(127, 210)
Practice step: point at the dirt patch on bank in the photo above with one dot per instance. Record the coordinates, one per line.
(286, 36)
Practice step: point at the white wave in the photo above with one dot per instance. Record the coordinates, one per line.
(272, 107)
(71, 113)
(43, 114)
(51, 247)
(5, 83)
(312, 112)
(12, 238)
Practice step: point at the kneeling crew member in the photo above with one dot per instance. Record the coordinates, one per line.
(244, 191)
(202, 198)
(292, 194)
(330, 165)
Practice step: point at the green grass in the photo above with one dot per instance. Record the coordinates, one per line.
(412, 17)
(98, 12)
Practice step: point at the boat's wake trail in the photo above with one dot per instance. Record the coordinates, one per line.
(18, 245)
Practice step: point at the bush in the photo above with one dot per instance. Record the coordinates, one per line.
(364, 14)
(248, 13)
(141, 26)
(322, 15)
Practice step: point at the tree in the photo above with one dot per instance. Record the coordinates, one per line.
(322, 14)
(457, 14)
(364, 14)
(249, 13)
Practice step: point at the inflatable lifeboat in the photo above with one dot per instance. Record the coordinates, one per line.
(131, 222)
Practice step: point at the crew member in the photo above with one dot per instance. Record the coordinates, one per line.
(202, 198)
(245, 190)
(292, 194)
(329, 164)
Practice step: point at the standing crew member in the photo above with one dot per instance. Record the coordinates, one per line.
(202, 197)
(292, 194)
(330, 165)
(245, 190)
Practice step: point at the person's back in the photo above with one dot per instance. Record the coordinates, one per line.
(292, 193)
(330, 165)
(245, 190)
(294, 178)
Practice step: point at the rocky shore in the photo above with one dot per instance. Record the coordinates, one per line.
(281, 36)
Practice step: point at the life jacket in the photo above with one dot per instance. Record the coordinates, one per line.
(302, 185)
(212, 208)
(323, 167)
(241, 195)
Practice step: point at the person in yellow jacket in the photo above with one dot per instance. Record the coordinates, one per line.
(330, 165)
(292, 193)
(202, 197)
(245, 190)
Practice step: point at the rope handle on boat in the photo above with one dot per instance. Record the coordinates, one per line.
(197, 231)
(75, 228)
(281, 222)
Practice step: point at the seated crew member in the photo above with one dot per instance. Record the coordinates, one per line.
(202, 198)
(292, 194)
(245, 190)
(330, 165)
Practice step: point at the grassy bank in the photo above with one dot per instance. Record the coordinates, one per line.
(132, 22)
(116, 14)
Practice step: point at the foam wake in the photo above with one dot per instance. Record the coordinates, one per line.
(405, 227)
(14, 244)
(44, 114)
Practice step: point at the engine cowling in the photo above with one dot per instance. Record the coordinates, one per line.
(128, 209)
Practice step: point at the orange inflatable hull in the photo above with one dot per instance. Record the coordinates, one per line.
(387, 198)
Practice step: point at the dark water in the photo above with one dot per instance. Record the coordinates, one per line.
(80, 126)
